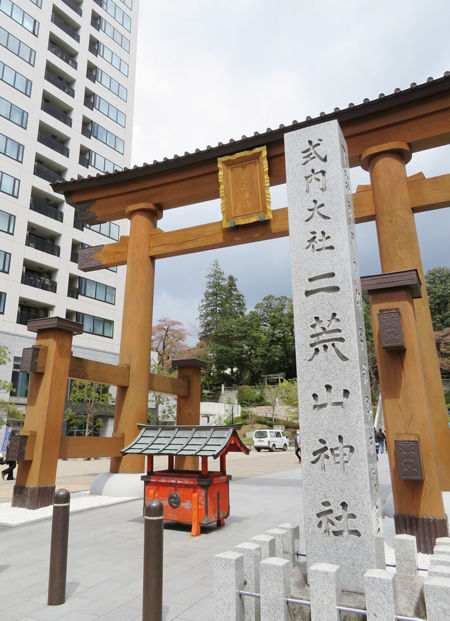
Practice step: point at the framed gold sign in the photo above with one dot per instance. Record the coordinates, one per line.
(244, 187)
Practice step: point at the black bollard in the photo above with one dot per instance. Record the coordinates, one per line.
(153, 561)
(58, 549)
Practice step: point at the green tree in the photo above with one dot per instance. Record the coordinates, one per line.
(8, 410)
(212, 305)
(438, 289)
(87, 401)
(276, 344)
(371, 358)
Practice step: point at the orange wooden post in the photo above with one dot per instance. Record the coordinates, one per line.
(35, 483)
(132, 400)
(418, 503)
(188, 408)
(399, 250)
(195, 529)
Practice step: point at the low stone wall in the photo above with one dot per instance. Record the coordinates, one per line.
(253, 583)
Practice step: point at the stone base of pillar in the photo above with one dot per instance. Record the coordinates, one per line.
(32, 497)
(425, 529)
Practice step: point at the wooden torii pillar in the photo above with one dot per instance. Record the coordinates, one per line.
(399, 250)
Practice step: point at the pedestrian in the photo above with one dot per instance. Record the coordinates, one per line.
(380, 437)
(297, 446)
(9, 471)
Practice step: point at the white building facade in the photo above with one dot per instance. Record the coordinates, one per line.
(67, 74)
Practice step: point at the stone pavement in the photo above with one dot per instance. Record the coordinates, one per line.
(104, 577)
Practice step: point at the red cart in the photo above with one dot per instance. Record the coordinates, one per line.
(193, 497)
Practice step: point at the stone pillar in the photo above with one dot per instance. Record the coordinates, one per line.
(399, 250)
(419, 508)
(340, 487)
(132, 401)
(188, 408)
(35, 482)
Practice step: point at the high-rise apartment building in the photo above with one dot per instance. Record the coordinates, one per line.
(67, 73)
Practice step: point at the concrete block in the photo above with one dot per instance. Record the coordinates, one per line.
(325, 583)
(282, 542)
(442, 571)
(228, 581)
(443, 541)
(274, 581)
(437, 598)
(405, 549)
(441, 549)
(294, 533)
(440, 559)
(252, 558)
(267, 543)
(381, 600)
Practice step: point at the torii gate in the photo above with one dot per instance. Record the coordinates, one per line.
(381, 136)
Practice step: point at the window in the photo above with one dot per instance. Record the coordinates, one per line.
(7, 222)
(111, 84)
(96, 325)
(109, 110)
(15, 79)
(17, 47)
(109, 229)
(19, 16)
(20, 380)
(112, 58)
(9, 185)
(5, 261)
(114, 34)
(2, 302)
(97, 290)
(38, 3)
(117, 13)
(127, 3)
(13, 113)
(11, 148)
(101, 163)
(107, 137)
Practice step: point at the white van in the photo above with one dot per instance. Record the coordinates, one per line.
(270, 439)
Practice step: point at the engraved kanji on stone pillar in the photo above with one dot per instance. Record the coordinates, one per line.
(340, 487)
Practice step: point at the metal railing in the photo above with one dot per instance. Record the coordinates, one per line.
(72, 292)
(78, 224)
(45, 209)
(23, 317)
(86, 131)
(67, 29)
(54, 144)
(60, 53)
(84, 161)
(46, 173)
(39, 282)
(59, 83)
(95, 22)
(74, 6)
(33, 241)
(88, 102)
(91, 74)
(93, 49)
(56, 113)
(74, 256)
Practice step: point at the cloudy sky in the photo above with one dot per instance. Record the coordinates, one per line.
(211, 70)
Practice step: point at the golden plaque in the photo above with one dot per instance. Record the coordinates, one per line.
(244, 187)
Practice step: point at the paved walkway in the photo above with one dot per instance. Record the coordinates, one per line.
(104, 578)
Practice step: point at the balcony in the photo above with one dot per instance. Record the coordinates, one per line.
(46, 209)
(88, 102)
(72, 292)
(56, 113)
(86, 131)
(46, 173)
(91, 74)
(33, 280)
(59, 83)
(84, 160)
(74, 6)
(39, 243)
(93, 48)
(24, 316)
(54, 144)
(95, 22)
(60, 53)
(74, 256)
(78, 224)
(67, 29)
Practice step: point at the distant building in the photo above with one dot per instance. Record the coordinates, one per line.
(67, 74)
